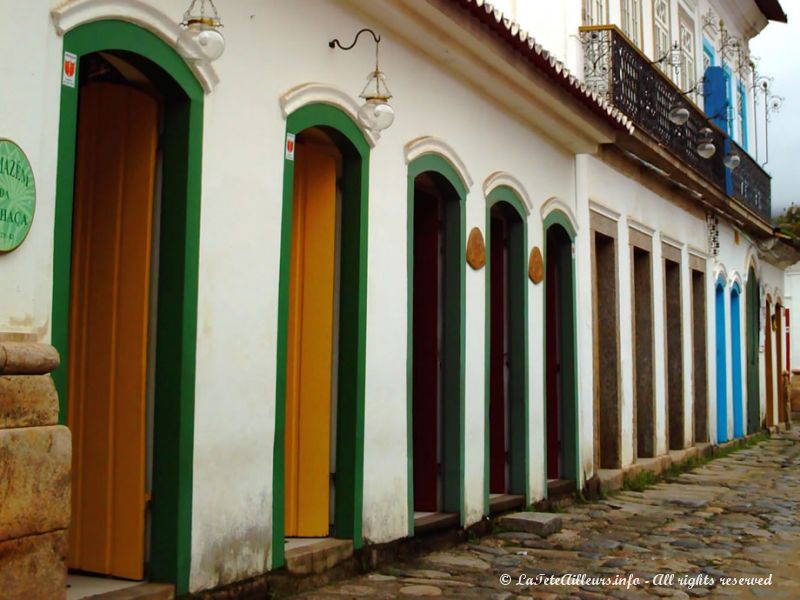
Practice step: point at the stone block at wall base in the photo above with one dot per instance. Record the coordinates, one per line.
(35, 467)
(27, 401)
(34, 567)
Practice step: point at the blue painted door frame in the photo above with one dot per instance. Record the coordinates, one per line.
(736, 360)
(722, 375)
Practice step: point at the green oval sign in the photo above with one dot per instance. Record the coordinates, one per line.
(17, 195)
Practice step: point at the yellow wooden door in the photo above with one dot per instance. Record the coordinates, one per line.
(309, 344)
(109, 291)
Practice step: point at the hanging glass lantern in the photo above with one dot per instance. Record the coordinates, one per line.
(201, 40)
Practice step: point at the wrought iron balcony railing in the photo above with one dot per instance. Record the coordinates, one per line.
(628, 80)
(750, 184)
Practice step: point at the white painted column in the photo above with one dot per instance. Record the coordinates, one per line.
(711, 349)
(688, 355)
(626, 358)
(659, 353)
(537, 431)
(475, 372)
(585, 334)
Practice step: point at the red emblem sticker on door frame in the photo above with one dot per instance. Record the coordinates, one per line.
(70, 68)
(290, 144)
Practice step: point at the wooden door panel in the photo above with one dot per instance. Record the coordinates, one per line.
(425, 374)
(310, 343)
(497, 387)
(110, 282)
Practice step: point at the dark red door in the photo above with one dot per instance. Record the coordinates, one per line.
(553, 416)
(498, 456)
(425, 370)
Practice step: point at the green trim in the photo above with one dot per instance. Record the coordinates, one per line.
(173, 443)
(753, 370)
(518, 305)
(352, 326)
(454, 370)
(568, 334)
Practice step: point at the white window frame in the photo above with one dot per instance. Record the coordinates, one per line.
(595, 12)
(688, 73)
(632, 20)
(662, 38)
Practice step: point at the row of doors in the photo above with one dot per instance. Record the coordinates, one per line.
(749, 421)
(113, 290)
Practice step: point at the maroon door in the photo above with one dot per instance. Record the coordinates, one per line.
(425, 369)
(551, 320)
(498, 397)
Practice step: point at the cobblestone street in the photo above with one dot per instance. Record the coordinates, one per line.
(735, 517)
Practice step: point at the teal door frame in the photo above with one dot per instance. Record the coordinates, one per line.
(182, 142)
(753, 371)
(348, 505)
(519, 363)
(568, 392)
(455, 362)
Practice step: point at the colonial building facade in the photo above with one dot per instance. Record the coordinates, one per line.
(276, 325)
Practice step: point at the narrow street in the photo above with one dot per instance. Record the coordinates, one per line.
(695, 536)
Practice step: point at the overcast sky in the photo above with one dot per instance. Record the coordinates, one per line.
(778, 50)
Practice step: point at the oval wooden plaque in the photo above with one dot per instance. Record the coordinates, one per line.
(536, 265)
(476, 249)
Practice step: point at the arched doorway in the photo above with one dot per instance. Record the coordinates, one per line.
(560, 350)
(736, 361)
(126, 236)
(507, 339)
(722, 363)
(769, 373)
(436, 342)
(779, 339)
(753, 326)
(318, 464)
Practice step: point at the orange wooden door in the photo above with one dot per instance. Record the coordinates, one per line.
(109, 291)
(309, 345)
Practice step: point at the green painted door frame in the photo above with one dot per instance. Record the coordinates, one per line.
(352, 325)
(454, 366)
(171, 504)
(568, 393)
(519, 367)
(753, 325)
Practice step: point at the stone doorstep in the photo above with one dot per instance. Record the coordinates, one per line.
(505, 502)
(541, 524)
(611, 480)
(318, 557)
(145, 591)
(435, 521)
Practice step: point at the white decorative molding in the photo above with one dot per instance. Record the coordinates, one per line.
(431, 145)
(751, 258)
(697, 252)
(641, 227)
(601, 209)
(323, 93)
(75, 13)
(735, 277)
(501, 178)
(720, 272)
(555, 203)
(670, 241)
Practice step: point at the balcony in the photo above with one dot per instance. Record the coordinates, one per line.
(618, 71)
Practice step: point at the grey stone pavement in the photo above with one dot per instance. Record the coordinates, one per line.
(736, 517)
